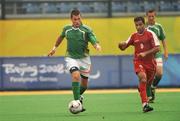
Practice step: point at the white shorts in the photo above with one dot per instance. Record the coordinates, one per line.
(159, 62)
(83, 64)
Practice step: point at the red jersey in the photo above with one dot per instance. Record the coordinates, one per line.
(143, 42)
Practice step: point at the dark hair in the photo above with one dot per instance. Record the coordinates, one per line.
(150, 11)
(139, 18)
(75, 12)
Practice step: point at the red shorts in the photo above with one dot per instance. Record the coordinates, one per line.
(147, 67)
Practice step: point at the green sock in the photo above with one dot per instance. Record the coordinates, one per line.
(148, 91)
(156, 81)
(82, 89)
(76, 90)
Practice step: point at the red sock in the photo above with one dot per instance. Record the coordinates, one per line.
(142, 92)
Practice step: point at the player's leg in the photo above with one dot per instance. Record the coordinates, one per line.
(84, 84)
(85, 68)
(150, 72)
(75, 74)
(83, 87)
(158, 76)
(142, 87)
(141, 73)
(149, 93)
(73, 67)
(142, 91)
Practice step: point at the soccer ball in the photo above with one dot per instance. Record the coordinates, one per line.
(75, 106)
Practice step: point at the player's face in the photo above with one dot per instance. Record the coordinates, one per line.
(76, 20)
(151, 17)
(139, 26)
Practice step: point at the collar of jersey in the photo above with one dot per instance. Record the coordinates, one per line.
(152, 25)
(142, 33)
(75, 28)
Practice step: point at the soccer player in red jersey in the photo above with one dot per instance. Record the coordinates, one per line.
(146, 45)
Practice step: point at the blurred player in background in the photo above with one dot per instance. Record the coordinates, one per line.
(77, 55)
(146, 45)
(159, 31)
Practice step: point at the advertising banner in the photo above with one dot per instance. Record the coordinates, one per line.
(38, 73)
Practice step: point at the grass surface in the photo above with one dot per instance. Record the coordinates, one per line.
(100, 107)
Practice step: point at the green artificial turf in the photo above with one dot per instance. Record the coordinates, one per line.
(100, 107)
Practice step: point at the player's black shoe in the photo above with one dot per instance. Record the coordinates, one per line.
(147, 108)
(83, 109)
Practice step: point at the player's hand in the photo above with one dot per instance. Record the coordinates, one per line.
(51, 53)
(97, 47)
(141, 55)
(165, 56)
(122, 45)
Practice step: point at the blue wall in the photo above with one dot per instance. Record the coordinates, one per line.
(26, 73)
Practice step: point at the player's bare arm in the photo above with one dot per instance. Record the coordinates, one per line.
(122, 45)
(151, 51)
(165, 50)
(58, 42)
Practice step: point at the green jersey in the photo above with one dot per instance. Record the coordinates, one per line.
(77, 40)
(159, 31)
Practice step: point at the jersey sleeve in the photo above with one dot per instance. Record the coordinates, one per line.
(91, 37)
(162, 33)
(63, 32)
(154, 39)
(130, 41)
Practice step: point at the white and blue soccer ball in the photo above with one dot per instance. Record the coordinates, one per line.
(75, 107)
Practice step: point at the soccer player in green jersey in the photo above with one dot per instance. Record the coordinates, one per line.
(159, 31)
(77, 54)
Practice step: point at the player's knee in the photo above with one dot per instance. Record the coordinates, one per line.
(142, 77)
(159, 71)
(144, 80)
(75, 74)
(159, 74)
